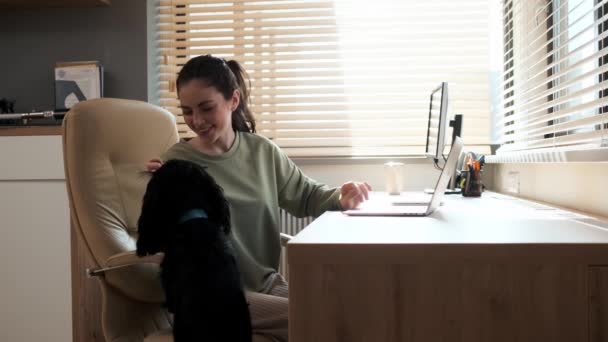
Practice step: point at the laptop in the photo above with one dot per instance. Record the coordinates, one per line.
(383, 208)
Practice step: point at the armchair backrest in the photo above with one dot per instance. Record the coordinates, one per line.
(106, 143)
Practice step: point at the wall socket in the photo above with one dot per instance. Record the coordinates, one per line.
(513, 182)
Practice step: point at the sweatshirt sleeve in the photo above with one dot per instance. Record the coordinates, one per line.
(300, 195)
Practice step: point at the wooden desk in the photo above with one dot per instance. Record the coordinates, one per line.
(479, 269)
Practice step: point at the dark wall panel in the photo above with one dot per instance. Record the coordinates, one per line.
(31, 41)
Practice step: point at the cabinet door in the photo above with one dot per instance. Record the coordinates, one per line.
(438, 302)
(35, 290)
(598, 303)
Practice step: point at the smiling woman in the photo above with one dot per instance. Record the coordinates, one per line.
(257, 179)
(337, 78)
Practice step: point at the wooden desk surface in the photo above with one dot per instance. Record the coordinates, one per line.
(494, 268)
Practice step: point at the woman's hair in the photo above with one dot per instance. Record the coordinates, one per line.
(226, 77)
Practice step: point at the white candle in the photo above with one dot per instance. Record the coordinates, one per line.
(393, 172)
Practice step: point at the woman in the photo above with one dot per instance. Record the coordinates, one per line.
(257, 178)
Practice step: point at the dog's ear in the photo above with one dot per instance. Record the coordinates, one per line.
(218, 207)
(151, 225)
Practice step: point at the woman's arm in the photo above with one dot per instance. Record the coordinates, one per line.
(303, 196)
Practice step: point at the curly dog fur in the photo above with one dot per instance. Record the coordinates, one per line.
(202, 284)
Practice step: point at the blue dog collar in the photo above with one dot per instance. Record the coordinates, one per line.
(192, 214)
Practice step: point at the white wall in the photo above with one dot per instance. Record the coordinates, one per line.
(579, 186)
(419, 173)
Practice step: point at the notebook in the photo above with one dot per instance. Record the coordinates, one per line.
(383, 208)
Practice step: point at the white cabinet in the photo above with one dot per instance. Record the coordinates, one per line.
(35, 290)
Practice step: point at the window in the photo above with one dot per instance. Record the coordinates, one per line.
(602, 45)
(340, 77)
(554, 80)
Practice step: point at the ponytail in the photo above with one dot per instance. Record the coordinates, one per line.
(242, 117)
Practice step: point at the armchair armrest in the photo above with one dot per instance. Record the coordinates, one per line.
(124, 259)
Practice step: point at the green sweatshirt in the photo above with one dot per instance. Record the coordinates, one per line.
(258, 178)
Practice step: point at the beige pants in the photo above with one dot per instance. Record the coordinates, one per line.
(269, 309)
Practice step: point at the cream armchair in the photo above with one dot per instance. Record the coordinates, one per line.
(106, 143)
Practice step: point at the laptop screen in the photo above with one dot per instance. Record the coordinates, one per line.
(383, 207)
(446, 173)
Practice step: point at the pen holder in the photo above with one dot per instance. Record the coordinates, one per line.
(471, 184)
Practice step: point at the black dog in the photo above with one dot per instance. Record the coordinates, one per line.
(185, 215)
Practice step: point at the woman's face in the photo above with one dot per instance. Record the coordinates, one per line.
(208, 113)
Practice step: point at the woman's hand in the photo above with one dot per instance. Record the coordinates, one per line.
(353, 193)
(153, 164)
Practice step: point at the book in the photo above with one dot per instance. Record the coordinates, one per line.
(77, 81)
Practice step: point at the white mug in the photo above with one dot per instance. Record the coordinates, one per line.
(393, 171)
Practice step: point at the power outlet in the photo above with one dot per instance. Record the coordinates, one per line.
(513, 182)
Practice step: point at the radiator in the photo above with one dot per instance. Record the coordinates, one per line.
(290, 225)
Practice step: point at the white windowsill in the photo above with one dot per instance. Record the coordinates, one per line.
(362, 160)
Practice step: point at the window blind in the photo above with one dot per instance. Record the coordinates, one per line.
(343, 77)
(555, 88)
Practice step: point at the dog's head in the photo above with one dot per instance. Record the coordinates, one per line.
(175, 188)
